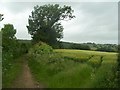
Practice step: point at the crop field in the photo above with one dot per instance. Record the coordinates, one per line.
(67, 68)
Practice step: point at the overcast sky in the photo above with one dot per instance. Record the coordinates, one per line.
(95, 21)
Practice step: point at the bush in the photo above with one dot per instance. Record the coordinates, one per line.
(41, 48)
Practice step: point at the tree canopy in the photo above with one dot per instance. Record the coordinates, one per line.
(8, 36)
(44, 23)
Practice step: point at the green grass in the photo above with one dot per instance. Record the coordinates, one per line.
(67, 68)
(71, 78)
(10, 74)
(83, 53)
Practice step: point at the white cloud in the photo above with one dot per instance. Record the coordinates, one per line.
(96, 22)
(19, 20)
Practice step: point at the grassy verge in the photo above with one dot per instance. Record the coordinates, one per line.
(10, 74)
(61, 69)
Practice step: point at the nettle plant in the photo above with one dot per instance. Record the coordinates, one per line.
(41, 48)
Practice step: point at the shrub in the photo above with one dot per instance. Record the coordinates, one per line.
(41, 48)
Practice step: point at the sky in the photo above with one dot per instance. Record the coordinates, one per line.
(95, 21)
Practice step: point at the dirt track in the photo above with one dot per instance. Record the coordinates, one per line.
(25, 79)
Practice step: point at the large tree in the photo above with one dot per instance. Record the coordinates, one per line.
(44, 23)
(8, 37)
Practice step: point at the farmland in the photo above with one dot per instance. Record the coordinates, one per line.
(84, 55)
(59, 68)
(67, 68)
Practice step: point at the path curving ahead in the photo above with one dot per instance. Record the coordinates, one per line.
(25, 79)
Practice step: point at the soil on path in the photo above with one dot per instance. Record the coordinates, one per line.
(25, 79)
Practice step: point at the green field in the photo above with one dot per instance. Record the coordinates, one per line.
(65, 68)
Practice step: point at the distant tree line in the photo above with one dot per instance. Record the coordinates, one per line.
(89, 46)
